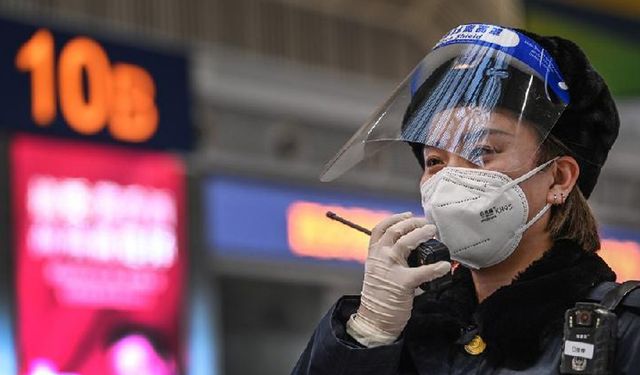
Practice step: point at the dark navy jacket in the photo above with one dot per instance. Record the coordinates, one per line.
(521, 324)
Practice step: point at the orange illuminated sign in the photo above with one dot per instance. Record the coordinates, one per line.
(92, 93)
(623, 257)
(311, 234)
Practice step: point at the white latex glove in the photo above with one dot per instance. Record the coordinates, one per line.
(389, 283)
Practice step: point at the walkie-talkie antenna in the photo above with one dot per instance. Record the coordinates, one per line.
(334, 216)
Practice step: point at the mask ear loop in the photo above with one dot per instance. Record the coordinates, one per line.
(529, 174)
(534, 219)
(546, 206)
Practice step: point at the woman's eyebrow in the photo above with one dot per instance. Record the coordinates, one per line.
(474, 135)
(499, 132)
(487, 131)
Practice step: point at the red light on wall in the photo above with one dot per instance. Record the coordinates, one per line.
(623, 257)
(311, 234)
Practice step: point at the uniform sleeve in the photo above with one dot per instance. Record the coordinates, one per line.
(331, 351)
(628, 349)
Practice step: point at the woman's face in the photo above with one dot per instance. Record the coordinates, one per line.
(506, 147)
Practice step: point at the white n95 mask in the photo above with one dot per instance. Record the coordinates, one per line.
(480, 214)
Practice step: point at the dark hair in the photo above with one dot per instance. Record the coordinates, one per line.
(572, 220)
(589, 125)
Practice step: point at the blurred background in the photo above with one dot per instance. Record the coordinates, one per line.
(177, 226)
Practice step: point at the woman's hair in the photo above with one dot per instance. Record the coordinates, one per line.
(572, 220)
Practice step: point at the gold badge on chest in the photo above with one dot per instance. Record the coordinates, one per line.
(476, 346)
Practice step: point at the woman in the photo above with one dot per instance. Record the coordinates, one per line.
(511, 129)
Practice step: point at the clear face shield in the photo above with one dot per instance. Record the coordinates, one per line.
(484, 93)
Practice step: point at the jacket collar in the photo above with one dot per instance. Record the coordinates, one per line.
(516, 319)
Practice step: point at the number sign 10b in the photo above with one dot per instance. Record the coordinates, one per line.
(92, 93)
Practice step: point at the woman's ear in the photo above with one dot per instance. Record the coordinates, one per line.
(565, 172)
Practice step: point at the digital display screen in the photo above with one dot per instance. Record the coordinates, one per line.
(100, 258)
(249, 219)
(76, 85)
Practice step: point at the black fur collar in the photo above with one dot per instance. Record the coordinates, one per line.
(516, 319)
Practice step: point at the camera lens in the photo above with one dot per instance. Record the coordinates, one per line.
(583, 318)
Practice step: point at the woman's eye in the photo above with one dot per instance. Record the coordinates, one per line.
(481, 152)
(432, 161)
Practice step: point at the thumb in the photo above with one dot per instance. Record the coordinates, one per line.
(428, 272)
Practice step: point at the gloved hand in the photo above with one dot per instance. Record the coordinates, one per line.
(389, 283)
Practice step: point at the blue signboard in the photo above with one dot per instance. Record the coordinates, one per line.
(248, 218)
(252, 219)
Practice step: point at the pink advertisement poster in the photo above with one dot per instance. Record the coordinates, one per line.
(100, 254)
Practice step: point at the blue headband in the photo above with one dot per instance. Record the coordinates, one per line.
(511, 43)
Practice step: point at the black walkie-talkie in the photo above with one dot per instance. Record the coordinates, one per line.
(428, 252)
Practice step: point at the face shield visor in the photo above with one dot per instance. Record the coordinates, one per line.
(487, 94)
